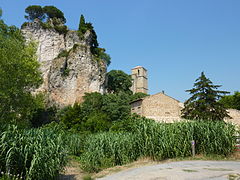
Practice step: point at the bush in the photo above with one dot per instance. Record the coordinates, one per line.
(61, 29)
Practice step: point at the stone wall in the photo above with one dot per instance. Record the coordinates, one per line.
(136, 107)
(159, 107)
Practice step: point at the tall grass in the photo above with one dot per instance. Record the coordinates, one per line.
(158, 141)
(109, 149)
(32, 154)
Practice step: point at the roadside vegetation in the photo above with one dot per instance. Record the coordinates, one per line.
(36, 140)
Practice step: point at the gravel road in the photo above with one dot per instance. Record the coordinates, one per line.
(182, 170)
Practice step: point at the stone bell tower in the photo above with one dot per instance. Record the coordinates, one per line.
(139, 80)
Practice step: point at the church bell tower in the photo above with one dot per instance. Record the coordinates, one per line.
(139, 80)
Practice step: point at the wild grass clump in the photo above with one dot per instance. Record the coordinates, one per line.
(32, 154)
(158, 141)
(108, 149)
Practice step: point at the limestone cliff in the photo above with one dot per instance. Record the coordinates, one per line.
(68, 68)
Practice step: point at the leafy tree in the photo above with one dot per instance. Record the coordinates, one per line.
(204, 105)
(117, 106)
(34, 12)
(0, 12)
(118, 81)
(231, 101)
(97, 112)
(19, 74)
(53, 12)
(97, 122)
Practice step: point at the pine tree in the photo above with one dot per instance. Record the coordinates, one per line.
(204, 105)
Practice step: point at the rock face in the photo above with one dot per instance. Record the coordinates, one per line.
(68, 68)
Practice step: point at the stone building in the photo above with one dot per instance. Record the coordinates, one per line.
(159, 107)
(139, 80)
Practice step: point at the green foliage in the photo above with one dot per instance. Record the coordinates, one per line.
(231, 101)
(19, 74)
(96, 113)
(34, 12)
(53, 12)
(97, 122)
(33, 154)
(87, 177)
(82, 29)
(55, 17)
(118, 81)
(204, 105)
(147, 138)
(116, 106)
(63, 53)
(61, 29)
(0, 12)
(66, 72)
(42, 114)
(99, 53)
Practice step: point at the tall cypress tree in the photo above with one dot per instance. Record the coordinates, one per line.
(204, 105)
(81, 23)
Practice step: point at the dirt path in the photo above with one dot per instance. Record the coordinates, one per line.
(72, 172)
(182, 170)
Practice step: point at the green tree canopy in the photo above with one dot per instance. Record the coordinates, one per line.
(18, 75)
(34, 12)
(231, 101)
(97, 110)
(82, 27)
(203, 104)
(53, 12)
(118, 81)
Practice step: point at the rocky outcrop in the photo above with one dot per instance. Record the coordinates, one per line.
(235, 116)
(68, 68)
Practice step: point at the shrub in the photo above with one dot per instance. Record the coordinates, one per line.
(61, 29)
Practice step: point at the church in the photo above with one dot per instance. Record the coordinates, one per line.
(160, 106)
